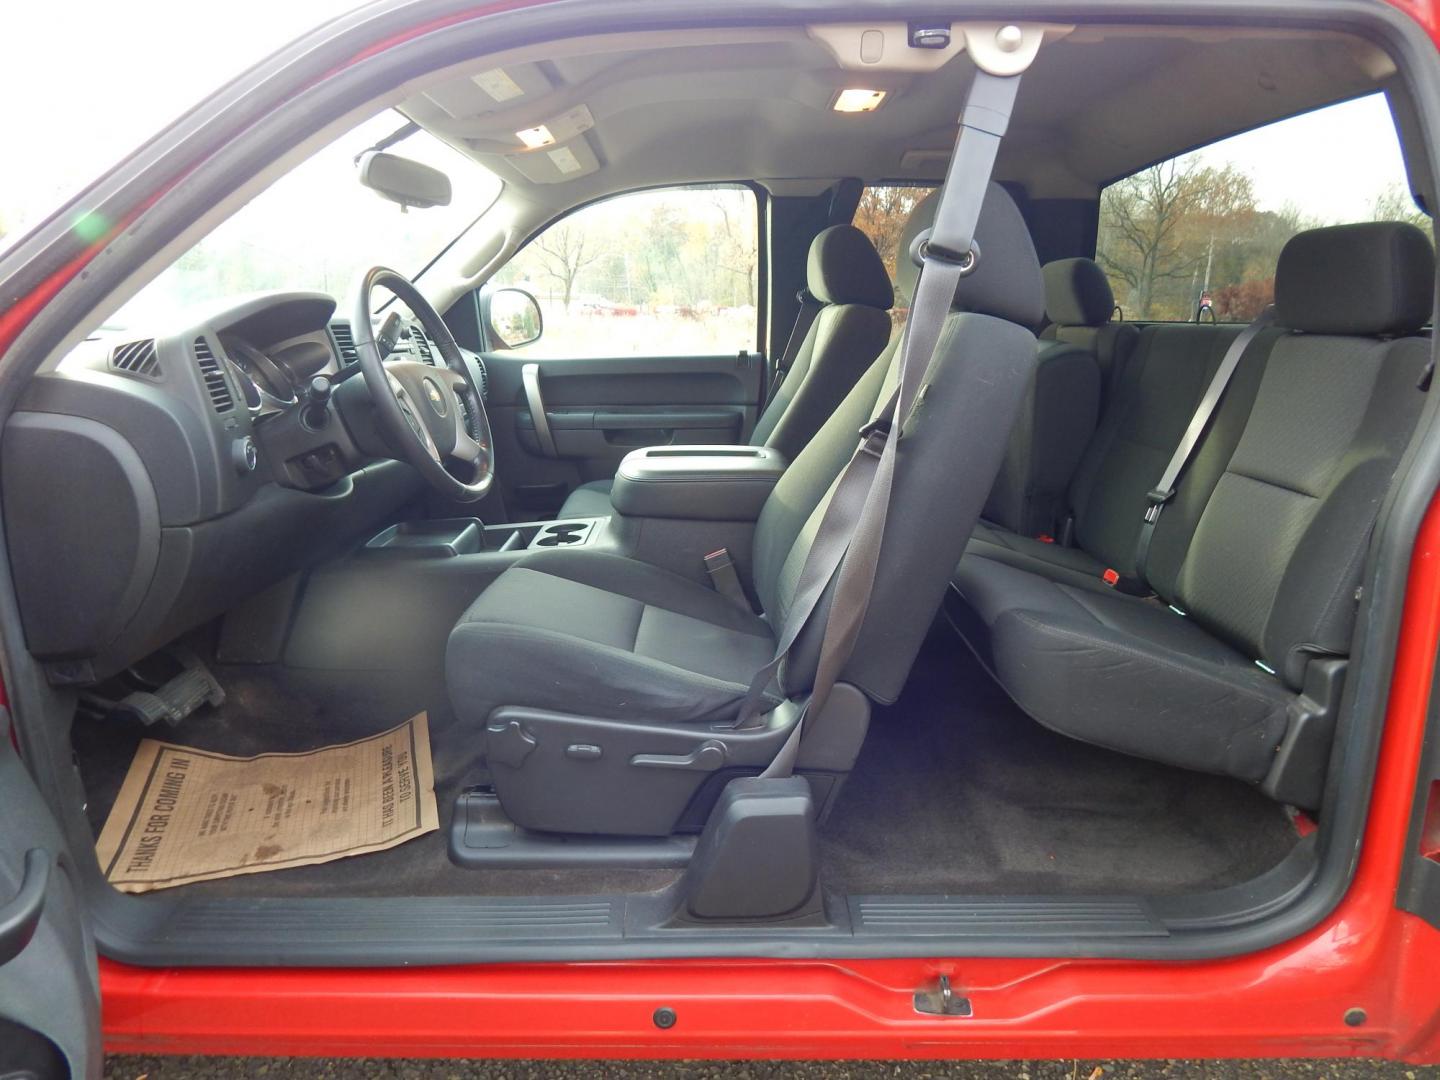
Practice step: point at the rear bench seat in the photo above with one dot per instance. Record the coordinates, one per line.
(1234, 666)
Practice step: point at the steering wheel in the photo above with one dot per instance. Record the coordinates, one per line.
(432, 415)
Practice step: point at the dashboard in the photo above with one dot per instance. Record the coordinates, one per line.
(151, 483)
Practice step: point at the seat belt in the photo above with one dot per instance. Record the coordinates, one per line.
(1164, 491)
(804, 319)
(847, 543)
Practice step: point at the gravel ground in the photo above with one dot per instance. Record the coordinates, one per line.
(201, 1068)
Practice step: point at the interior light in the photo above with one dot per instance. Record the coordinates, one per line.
(858, 100)
(535, 137)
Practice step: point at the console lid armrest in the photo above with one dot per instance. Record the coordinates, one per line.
(706, 483)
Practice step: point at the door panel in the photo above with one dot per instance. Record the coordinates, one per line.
(49, 990)
(597, 411)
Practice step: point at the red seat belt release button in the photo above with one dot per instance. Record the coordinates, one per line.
(1111, 578)
(1045, 538)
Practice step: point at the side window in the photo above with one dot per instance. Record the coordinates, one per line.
(669, 272)
(881, 215)
(1197, 236)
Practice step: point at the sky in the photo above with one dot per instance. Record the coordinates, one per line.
(1329, 163)
(98, 77)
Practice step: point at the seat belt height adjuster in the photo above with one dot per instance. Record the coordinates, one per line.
(1155, 498)
(874, 435)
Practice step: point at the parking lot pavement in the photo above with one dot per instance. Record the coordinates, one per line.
(212, 1068)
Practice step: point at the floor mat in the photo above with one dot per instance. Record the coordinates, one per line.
(276, 709)
(187, 814)
(958, 791)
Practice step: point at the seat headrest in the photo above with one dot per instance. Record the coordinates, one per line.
(1377, 277)
(907, 272)
(1006, 282)
(1077, 293)
(845, 268)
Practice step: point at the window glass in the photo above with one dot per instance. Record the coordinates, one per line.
(670, 272)
(1198, 236)
(881, 215)
(318, 228)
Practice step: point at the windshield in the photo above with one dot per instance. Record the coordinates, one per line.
(318, 228)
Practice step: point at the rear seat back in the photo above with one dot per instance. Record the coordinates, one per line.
(1081, 307)
(1257, 559)
(1273, 560)
(1151, 405)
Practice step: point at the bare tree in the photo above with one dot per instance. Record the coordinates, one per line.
(1172, 223)
(563, 254)
(1141, 242)
(1396, 203)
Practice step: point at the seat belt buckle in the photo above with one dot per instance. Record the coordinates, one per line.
(1155, 498)
(1111, 577)
(724, 579)
(874, 435)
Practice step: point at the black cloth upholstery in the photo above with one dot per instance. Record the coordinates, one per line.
(1376, 277)
(593, 633)
(1123, 673)
(589, 500)
(1057, 419)
(845, 268)
(1255, 561)
(1077, 293)
(1013, 289)
(843, 342)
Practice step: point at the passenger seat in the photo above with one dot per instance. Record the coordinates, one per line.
(1062, 403)
(1081, 309)
(846, 274)
(1236, 666)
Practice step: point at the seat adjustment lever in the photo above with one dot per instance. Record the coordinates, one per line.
(707, 757)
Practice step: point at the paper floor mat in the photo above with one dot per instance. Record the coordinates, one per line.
(187, 815)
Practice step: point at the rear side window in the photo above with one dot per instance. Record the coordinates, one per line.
(881, 215)
(670, 272)
(1197, 236)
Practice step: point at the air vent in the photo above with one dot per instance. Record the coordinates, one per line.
(344, 343)
(136, 358)
(422, 343)
(214, 376)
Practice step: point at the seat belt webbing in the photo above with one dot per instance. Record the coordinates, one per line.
(804, 319)
(1164, 491)
(852, 527)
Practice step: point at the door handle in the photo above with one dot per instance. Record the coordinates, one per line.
(530, 377)
(20, 917)
(707, 757)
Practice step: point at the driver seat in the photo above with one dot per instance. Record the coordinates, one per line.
(609, 688)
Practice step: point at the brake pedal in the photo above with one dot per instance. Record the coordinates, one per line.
(180, 696)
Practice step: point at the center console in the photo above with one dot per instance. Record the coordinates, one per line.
(392, 602)
(696, 483)
(448, 537)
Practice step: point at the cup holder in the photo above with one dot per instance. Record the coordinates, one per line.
(562, 534)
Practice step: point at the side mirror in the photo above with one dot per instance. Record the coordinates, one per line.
(403, 181)
(512, 317)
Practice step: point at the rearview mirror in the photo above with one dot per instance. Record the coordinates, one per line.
(403, 181)
(514, 317)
